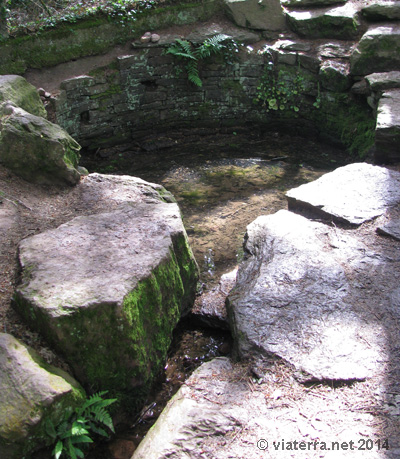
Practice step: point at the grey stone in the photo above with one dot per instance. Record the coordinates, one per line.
(339, 22)
(382, 81)
(72, 84)
(257, 14)
(145, 38)
(293, 45)
(301, 294)
(189, 419)
(15, 89)
(37, 150)
(392, 229)
(361, 87)
(377, 51)
(31, 393)
(155, 38)
(387, 133)
(334, 76)
(107, 290)
(334, 50)
(338, 196)
(382, 10)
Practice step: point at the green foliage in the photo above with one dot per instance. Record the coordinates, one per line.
(280, 90)
(74, 431)
(48, 14)
(191, 54)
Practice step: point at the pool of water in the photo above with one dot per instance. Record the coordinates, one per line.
(222, 181)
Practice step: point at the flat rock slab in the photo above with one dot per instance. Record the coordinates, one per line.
(382, 10)
(378, 50)
(387, 132)
(221, 413)
(312, 295)
(31, 392)
(351, 194)
(107, 290)
(382, 81)
(339, 23)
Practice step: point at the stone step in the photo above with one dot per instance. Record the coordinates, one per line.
(382, 10)
(377, 51)
(339, 22)
(382, 81)
(387, 133)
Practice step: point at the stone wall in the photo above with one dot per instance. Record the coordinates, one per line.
(148, 92)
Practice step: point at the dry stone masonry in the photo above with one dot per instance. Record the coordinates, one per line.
(333, 49)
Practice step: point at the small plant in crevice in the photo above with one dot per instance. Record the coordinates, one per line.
(74, 431)
(191, 54)
(280, 90)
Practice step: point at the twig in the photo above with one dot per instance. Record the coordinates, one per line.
(13, 200)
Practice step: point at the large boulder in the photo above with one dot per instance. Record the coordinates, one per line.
(108, 289)
(16, 90)
(257, 14)
(31, 393)
(387, 134)
(36, 149)
(313, 295)
(338, 197)
(377, 51)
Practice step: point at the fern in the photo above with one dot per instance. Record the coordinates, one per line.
(74, 430)
(191, 54)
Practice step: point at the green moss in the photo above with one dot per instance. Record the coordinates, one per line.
(352, 121)
(122, 347)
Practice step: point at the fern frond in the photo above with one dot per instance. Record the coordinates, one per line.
(102, 417)
(212, 45)
(193, 74)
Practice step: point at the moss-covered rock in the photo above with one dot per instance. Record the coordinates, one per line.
(36, 149)
(107, 290)
(17, 90)
(31, 393)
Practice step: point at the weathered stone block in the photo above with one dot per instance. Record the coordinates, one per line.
(18, 91)
(387, 134)
(337, 196)
(339, 22)
(257, 14)
(31, 394)
(37, 150)
(107, 290)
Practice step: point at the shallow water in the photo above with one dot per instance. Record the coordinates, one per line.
(222, 181)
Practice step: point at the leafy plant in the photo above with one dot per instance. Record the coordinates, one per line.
(280, 91)
(75, 429)
(191, 54)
